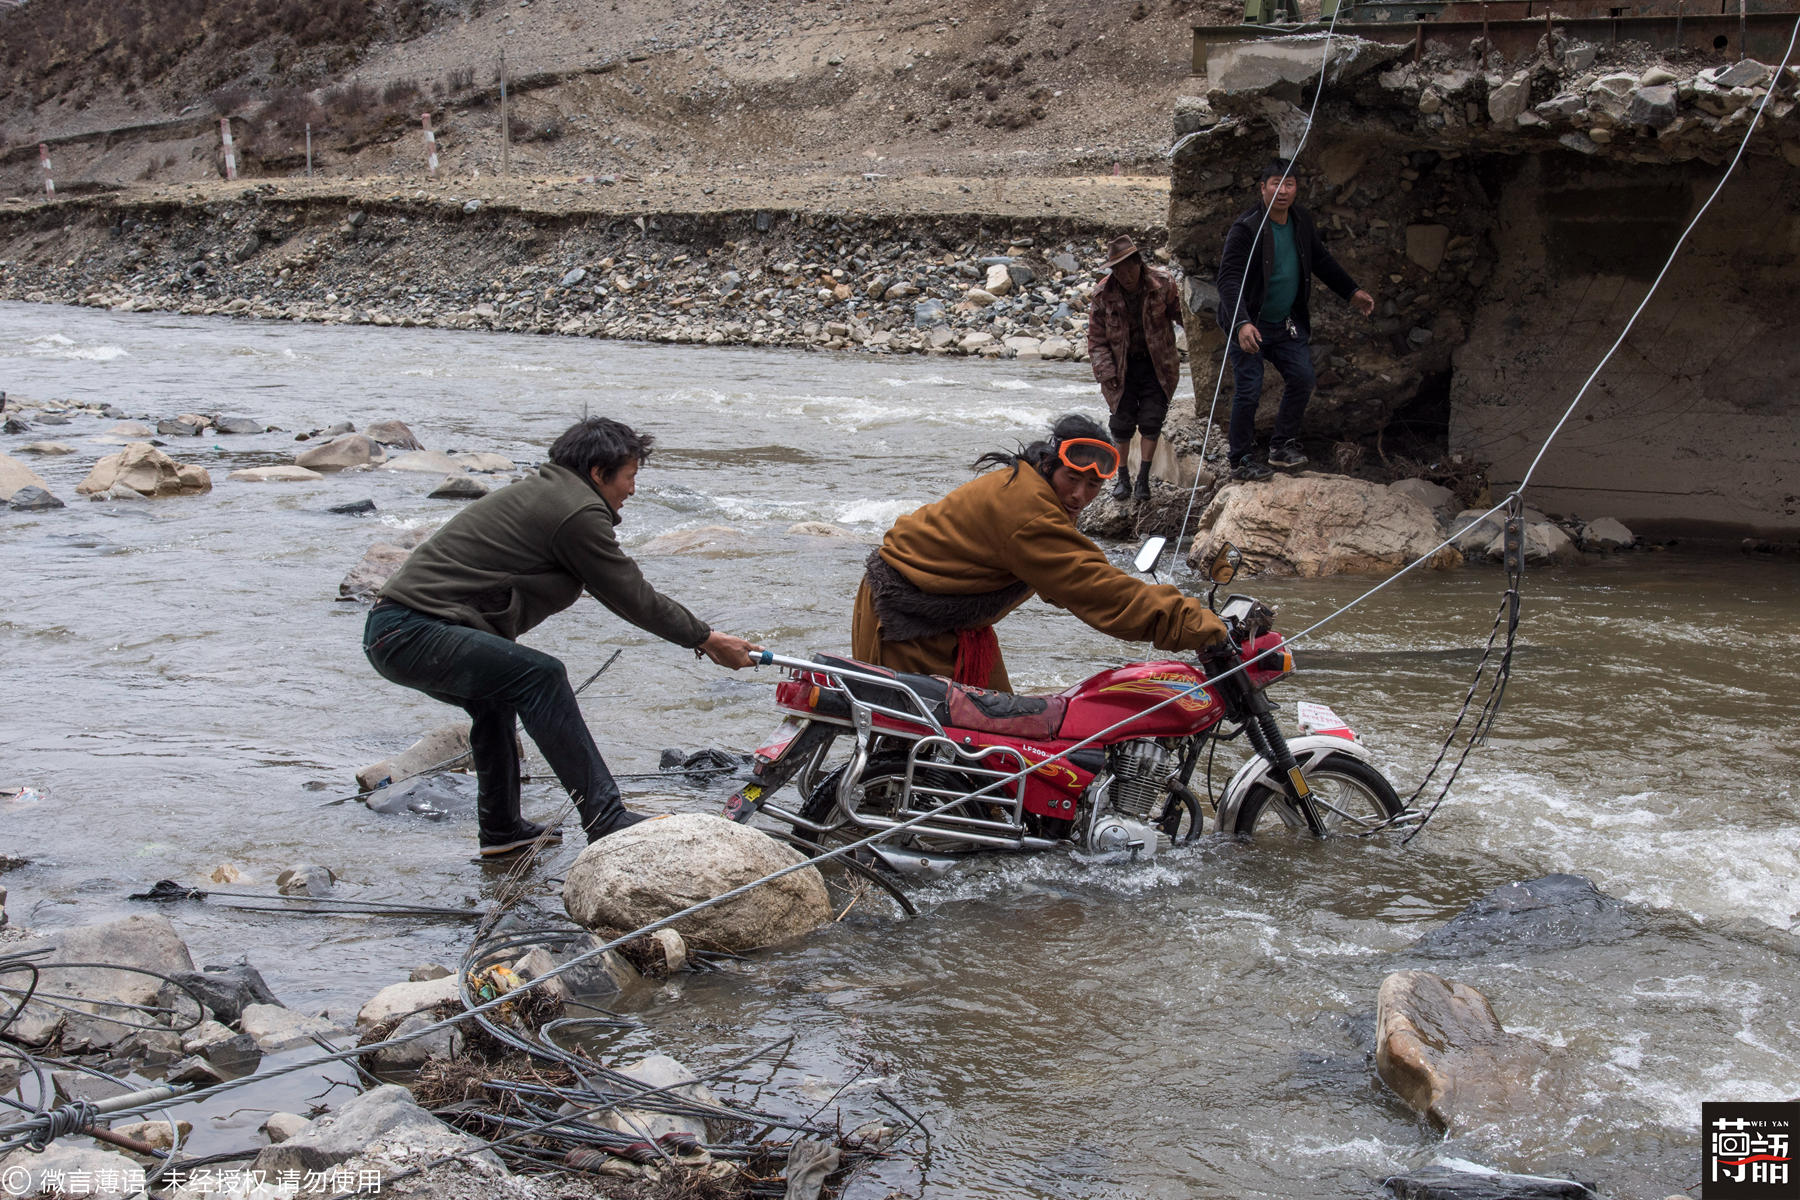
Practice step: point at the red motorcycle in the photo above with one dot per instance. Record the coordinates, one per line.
(1106, 767)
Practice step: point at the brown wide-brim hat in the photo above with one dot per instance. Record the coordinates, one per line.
(1121, 249)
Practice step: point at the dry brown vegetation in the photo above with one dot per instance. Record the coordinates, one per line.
(77, 45)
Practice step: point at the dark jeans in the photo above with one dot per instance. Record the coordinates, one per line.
(1293, 359)
(494, 680)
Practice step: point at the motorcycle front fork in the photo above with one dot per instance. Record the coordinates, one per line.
(1268, 740)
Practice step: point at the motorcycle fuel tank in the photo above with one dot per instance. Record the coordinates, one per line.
(1109, 697)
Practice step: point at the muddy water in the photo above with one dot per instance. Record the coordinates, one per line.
(184, 692)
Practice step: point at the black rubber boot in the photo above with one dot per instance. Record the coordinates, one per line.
(1143, 483)
(1121, 487)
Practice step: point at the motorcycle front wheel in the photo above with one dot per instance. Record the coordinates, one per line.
(1351, 797)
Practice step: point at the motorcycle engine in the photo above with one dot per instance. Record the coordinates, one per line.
(1140, 771)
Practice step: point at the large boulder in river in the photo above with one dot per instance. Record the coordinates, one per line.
(395, 434)
(147, 471)
(342, 453)
(379, 562)
(147, 943)
(655, 868)
(15, 475)
(1440, 1047)
(1313, 524)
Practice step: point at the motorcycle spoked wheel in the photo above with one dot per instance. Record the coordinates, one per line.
(1351, 796)
(882, 780)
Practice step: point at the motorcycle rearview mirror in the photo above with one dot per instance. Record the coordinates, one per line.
(1225, 564)
(1150, 553)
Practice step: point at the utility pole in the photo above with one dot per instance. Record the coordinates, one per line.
(505, 123)
(309, 149)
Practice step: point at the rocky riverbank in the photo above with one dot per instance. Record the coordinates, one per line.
(923, 267)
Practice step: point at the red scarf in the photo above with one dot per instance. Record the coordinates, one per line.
(977, 654)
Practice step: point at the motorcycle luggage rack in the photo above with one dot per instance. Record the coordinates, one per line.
(920, 797)
(832, 679)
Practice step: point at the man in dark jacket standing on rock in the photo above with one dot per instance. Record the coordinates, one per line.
(447, 621)
(1131, 346)
(1265, 275)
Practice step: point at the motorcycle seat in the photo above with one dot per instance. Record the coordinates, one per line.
(1004, 713)
(978, 710)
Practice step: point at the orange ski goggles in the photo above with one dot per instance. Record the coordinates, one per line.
(1089, 454)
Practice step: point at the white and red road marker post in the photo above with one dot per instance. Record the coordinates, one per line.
(44, 161)
(230, 154)
(431, 159)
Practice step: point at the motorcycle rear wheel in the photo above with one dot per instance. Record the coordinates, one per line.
(1351, 797)
(882, 780)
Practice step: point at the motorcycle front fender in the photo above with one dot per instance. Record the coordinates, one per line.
(1307, 751)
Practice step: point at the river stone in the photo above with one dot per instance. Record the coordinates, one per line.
(445, 748)
(15, 475)
(348, 450)
(1313, 525)
(395, 434)
(999, 280)
(46, 448)
(239, 425)
(593, 979)
(661, 1071)
(1440, 1047)
(187, 425)
(287, 473)
(226, 990)
(459, 487)
(485, 463)
(1544, 544)
(1507, 101)
(15, 424)
(382, 1121)
(654, 868)
(1607, 535)
(1472, 529)
(147, 942)
(1555, 912)
(147, 471)
(435, 796)
(405, 999)
(282, 1126)
(1652, 106)
(276, 1028)
(379, 562)
(429, 462)
(1440, 500)
(131, 429)
(414, 1054)
(356, 508)
(306, 879)
(33, 499)
(105, 1174)
(1439, 1182)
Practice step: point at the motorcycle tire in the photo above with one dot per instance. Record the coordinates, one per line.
(1351, 796)
(1182, 802)
(882, 771)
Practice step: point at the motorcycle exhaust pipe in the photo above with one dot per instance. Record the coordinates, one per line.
(916, 862)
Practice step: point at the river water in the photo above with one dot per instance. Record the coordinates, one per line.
(183, 691)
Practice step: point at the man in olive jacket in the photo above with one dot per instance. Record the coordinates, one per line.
(447, 621)
(1265, 277)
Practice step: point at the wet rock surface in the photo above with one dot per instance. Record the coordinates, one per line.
(1449, 1183)
(655, 868)
(1311, 525)
(1556, 912)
